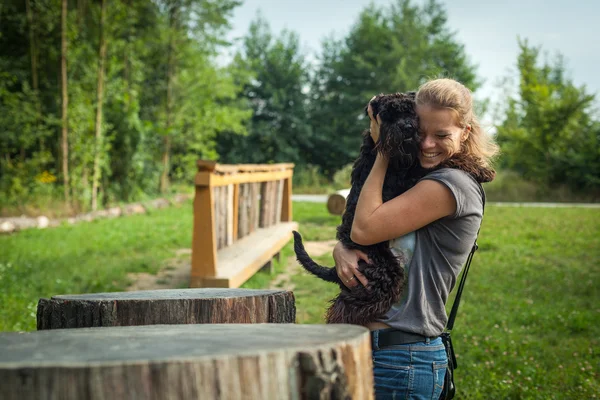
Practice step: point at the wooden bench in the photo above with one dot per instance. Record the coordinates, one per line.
(242, 219)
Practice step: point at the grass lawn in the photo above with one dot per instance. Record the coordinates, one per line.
(528, 328)
(529, 323)
(85, 258)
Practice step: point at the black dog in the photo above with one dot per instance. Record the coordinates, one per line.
(399, 141)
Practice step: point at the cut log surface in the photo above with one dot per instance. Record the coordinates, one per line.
(336, 202)
(171, 306)
(220, 361)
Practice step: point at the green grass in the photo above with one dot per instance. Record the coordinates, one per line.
(528, 328)
(84, 258)
(529, 323)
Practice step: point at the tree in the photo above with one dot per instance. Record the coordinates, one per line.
(87, 88)
(389, 49)
(191, 36)
(276, 91)
(32, 46)
(548, 133)
(100, 97)
(65, 102)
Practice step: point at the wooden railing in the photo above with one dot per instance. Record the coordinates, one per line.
(242, 218)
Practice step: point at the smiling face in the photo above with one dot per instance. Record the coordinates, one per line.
(440, 133)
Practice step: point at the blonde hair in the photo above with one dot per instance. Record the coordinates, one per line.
(453, 95)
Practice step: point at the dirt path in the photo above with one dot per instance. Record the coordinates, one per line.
(176, 273)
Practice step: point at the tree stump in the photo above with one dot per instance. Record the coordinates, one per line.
(173, 306)
(220, 361)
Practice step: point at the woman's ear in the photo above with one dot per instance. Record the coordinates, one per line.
(465, 133)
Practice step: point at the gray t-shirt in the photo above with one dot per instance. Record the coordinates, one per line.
(436, 254)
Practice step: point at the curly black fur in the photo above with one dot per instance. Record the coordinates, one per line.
(399, 141)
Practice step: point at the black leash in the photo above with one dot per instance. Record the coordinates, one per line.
(461, 285)
(449, 388)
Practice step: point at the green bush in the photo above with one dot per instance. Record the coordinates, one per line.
(341, 179)
(310, 180)
(509, 186)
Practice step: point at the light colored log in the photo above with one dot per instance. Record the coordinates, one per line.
(273, 212)
(255, 210)
(236, 211)
(229, 215)
(336, 202)
(171, 306)
(286, 210)
(222, 224)
(210, 361)
(279, 201)
(217, 215)
(244, 211)
(264, 205)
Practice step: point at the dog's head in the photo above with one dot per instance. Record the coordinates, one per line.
(399, 129)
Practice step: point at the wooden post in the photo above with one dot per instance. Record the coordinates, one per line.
(230, 214)
(244, 210)
(279, 201)
(286, 210)
(204, 244)
(208, 361)
(236, 210)
(171, 306)
(216, 212)
(255, 206)
(222, 221)
(265, 204)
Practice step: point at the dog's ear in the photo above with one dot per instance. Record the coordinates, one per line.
(375, 104)
(399, 140)
(399, 130)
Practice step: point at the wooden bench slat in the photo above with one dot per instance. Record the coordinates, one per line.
(241, 260)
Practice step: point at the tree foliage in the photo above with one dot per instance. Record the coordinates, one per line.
(549, 133)
(135, 116)
(389, 49)
(276, 91)
(168, 98)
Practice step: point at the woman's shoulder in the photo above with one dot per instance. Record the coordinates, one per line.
(465, 189)
(452, 176)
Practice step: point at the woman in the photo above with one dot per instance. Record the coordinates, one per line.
(434, 224)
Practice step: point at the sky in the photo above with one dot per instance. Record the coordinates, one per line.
(488, 31)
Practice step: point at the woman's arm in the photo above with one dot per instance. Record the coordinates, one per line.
(376, 221)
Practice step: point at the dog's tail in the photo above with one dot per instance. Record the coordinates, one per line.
(325, 273)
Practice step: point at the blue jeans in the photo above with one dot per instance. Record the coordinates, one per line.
(410, 371)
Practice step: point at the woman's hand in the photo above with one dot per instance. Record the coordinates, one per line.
(374, 124)
(346, 265)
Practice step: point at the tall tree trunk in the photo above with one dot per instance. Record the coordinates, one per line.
(100, 92)
(33, 52)
(32, 44)
(81, 10)
(164, 179)
(65, 102)
(127, 62)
